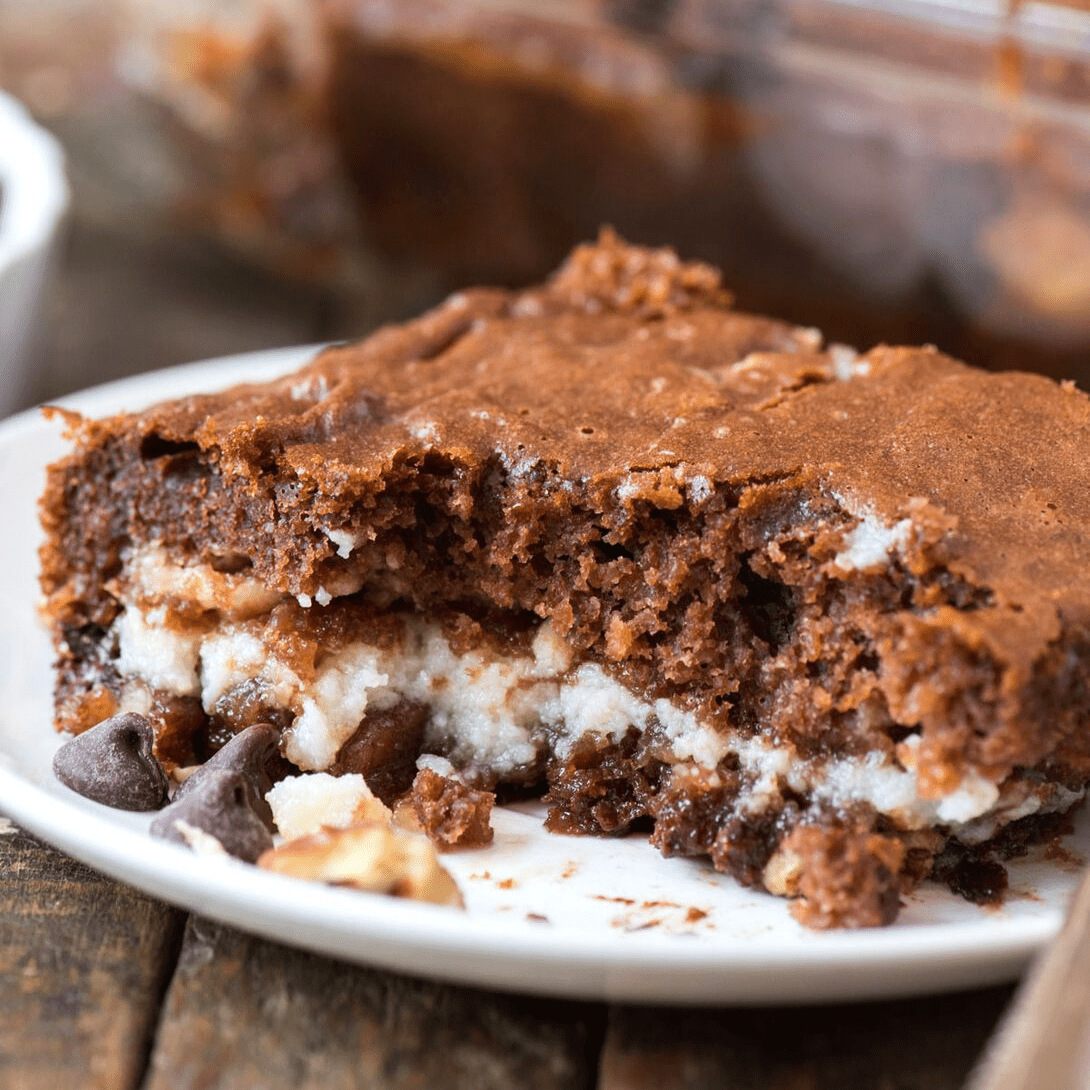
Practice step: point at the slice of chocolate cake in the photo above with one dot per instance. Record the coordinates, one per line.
(817, 616)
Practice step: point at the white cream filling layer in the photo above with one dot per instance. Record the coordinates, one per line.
(501, 711)
(871, 541)
(153, 576)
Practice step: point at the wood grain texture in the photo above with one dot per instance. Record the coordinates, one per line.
(83, 965)
(919, 1044)
(242, 1012)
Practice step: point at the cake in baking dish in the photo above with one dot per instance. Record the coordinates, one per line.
(820, 617)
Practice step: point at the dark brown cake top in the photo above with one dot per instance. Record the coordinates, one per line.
(628, 378)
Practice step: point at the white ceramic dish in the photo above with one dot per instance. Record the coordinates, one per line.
(33, 198)
(585, 917)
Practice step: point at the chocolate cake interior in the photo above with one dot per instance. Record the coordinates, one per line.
(808, 613)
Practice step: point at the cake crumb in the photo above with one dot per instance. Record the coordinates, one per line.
(632, 928)
(844, 877)
(450, 813)
(305, 804)
(1056, 852)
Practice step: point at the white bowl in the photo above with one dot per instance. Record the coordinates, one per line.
(33, 198)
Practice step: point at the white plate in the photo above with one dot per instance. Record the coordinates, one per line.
(596, 918)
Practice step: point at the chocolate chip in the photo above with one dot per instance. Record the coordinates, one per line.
(221, 805)
(113, 764)
(248, 754)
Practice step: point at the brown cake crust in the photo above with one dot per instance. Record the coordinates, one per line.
(826, 551)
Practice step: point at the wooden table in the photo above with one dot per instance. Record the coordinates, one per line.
(103, 987)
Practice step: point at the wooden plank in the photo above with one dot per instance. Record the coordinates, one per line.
(918, 1044)
(242, 1012)
(84, 962)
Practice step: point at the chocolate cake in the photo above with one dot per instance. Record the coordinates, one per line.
(818, 616)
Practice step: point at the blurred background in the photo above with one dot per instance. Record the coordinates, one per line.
(267, 172)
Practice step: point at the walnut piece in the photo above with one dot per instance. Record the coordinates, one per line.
(370, 856)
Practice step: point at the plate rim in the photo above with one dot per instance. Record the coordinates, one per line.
(606, 967)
